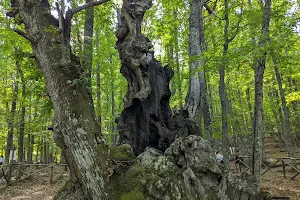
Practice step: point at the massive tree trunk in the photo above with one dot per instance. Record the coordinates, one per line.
(75, 128)
(258, 127)
(197, 98)
(146, 119)
(187, 170)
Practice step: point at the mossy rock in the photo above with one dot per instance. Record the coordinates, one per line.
(133, 195)
(127, 183)
(122, 153)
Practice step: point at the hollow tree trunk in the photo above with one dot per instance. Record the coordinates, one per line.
(146, 119)
(75, 128)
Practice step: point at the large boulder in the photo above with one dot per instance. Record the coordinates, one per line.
(187, 170)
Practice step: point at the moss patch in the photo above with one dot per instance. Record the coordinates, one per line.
(122, 153)
(133, 195)
(127, 183)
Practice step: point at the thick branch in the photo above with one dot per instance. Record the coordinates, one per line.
(87, 5)
(71, 12)
(23, 34)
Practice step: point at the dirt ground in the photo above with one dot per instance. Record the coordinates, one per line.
(38, 187)
(280, 186)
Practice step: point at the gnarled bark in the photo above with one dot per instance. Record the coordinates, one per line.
(75, 128)
(146, 119)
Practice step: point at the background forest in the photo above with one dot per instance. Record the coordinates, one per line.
(26, 109)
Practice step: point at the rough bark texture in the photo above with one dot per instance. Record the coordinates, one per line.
(146, 119)
(75, 128)
(187, 170)
(197, 98)
(258, 128)
(193, 96)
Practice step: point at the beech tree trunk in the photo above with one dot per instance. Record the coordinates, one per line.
(88, 43)
(75, 127)
(258, 127)
(21, 154)
(98, 87)
(293, 88)
(197, 97)
(196, 24)
(287, 133)
(11, 119)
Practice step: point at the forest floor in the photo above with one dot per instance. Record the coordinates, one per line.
(280, 186)
(38, 187)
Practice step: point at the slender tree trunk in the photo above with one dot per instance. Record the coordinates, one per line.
(279, 113)
(98, 86)
(10, 123)
(192, 101)
(21, 154)
(30, 137)
(113, 114)
(258, 108)
(287, 133)
(245, 124)
(293, 88)
(204, 105)
(210, 97)
(88, 43)
(222, 89)
(177, 66)
(249, 104)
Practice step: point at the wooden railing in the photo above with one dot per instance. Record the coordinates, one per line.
(10, 171)
(268, 164)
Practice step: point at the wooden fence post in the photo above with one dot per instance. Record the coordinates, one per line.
(283, 168)
(51, 174)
